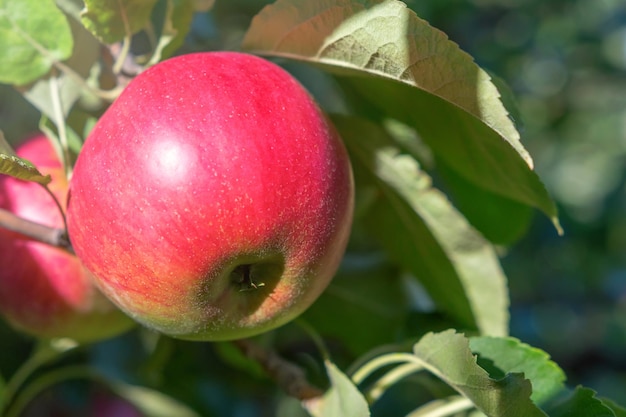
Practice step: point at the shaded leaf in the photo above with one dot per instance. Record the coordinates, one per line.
(33, 35)
(342, 399)
(618, 410)
(511, 355)
(581, 402)
(500, 219)
(423, 232)
(112, 20)
(235, 358)
(447, 355)
(172, 19)
(369, 295)
(72, 8)
(12, 165)
(413, 72)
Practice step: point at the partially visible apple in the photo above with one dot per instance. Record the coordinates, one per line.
(45, 291)
(213, 200)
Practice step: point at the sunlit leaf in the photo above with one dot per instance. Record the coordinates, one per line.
(67, 89)
(112, 20)
(423, 232)
(410, 71)
(510, 355)
(17, 167)
(33, 35)
(342, 399)
(447, 355)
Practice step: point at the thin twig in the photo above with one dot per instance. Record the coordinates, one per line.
(287, 376)
(42, 233)
(128, 36)
(59, 121)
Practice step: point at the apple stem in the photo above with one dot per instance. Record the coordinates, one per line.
(58, 204)
(126, 42)
(59, 121)
(289, 377)
(39, 232)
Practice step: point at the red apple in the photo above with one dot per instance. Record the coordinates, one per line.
(213, 200)
(44, 290)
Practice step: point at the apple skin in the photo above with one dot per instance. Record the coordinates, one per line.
(213, 200)
(45, 291)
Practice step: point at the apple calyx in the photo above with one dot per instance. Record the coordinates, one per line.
(244, 280)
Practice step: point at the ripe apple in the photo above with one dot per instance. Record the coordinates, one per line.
(213, 199)
(44, 290)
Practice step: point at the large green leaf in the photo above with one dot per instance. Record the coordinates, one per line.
(33, 35)
(410, 71)
(112, 20)
(342, 399)
(618, 410)
(510, 355)
(426, 234)
(447, 355)
(500, 219)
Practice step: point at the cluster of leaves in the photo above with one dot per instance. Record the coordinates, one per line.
(442, 178)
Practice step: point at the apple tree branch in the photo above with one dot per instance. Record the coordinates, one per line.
(289, 377)
(42, 233)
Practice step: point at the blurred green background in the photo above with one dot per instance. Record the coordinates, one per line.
(565, 61)
(566, 64)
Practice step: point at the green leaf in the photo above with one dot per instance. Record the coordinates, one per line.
(500, 219)
(510, 355)
(447, 355)
(66, 88)
(150, 402)
(410, 71)
(17, 167)
(618, 410)
(172, 19)
(423, 232)
(342, 399)
(582, 402)
(369, 297)
(34, 34)
(234, 357)
(112, 20)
